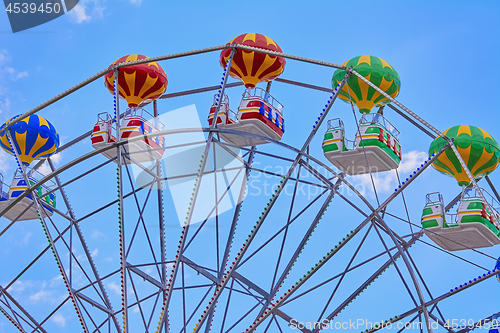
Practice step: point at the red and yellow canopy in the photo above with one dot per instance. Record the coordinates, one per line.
(253, 67)
(138, 83)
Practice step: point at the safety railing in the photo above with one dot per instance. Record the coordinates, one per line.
(35, 176)
(375, 118)
(264, 95)
(434, 197)
(3, 194)
(335, 123)
(492, 201)
(225, 101)
(148, 117)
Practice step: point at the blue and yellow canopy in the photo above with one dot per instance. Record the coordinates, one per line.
(33, 137)
(497, 267)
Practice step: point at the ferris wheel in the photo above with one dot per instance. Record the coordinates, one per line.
(159, 226)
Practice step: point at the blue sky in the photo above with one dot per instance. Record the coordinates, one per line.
(445, 53)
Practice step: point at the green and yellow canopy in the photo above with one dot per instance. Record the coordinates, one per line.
(377, 71)
(478, 149)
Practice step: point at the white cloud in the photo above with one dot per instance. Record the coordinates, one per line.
(56, 280)
(95, 253)
(87, 10)
(20, 285)
(40, 291)
(59, 320)
(26, 239)
(42, 295)
(136, 2)
(13, 73)
(4, 56)
(21, 75)
(56, 158)
(78, 14)
(388, 181)
(116, 288)
(97, 234)
(411, 160)
(5, 105)
(98, 11)
(44, 169)
(7, 73)
(5, 163)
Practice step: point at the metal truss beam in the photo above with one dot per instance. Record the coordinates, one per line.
(332, 253)
(23, 310)
(146, 277)
(440, 298)
(370, 279)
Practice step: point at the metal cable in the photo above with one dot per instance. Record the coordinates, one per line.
(362, 144)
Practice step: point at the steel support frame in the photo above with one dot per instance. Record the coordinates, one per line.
(41, 211)
(438, 299)
(121, 219)
(302, 243)
(297, 58)
(225, 257)
(332, 253)
(204, 159)
(241, 279)
(84, 245)
(23, 310)
(163, 244)
(412, 274)
(271, 204)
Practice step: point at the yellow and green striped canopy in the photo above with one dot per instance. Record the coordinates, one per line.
(377, 71)
(478, 149)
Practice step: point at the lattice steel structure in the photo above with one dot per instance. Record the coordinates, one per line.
(248, 283)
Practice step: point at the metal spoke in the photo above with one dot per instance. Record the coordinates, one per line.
(223, 274)
(397, 267)
(345, 272)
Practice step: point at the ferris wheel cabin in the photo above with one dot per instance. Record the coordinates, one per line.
(375, 149)
(472, 226)
(133, 124)
(25, 209)
(225, 115)
(259, 113)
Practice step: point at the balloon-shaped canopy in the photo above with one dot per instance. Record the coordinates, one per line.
(478, 149)
(497, 267)
(33, 137)
(138, 83)
(253, 67)
(377, 71)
